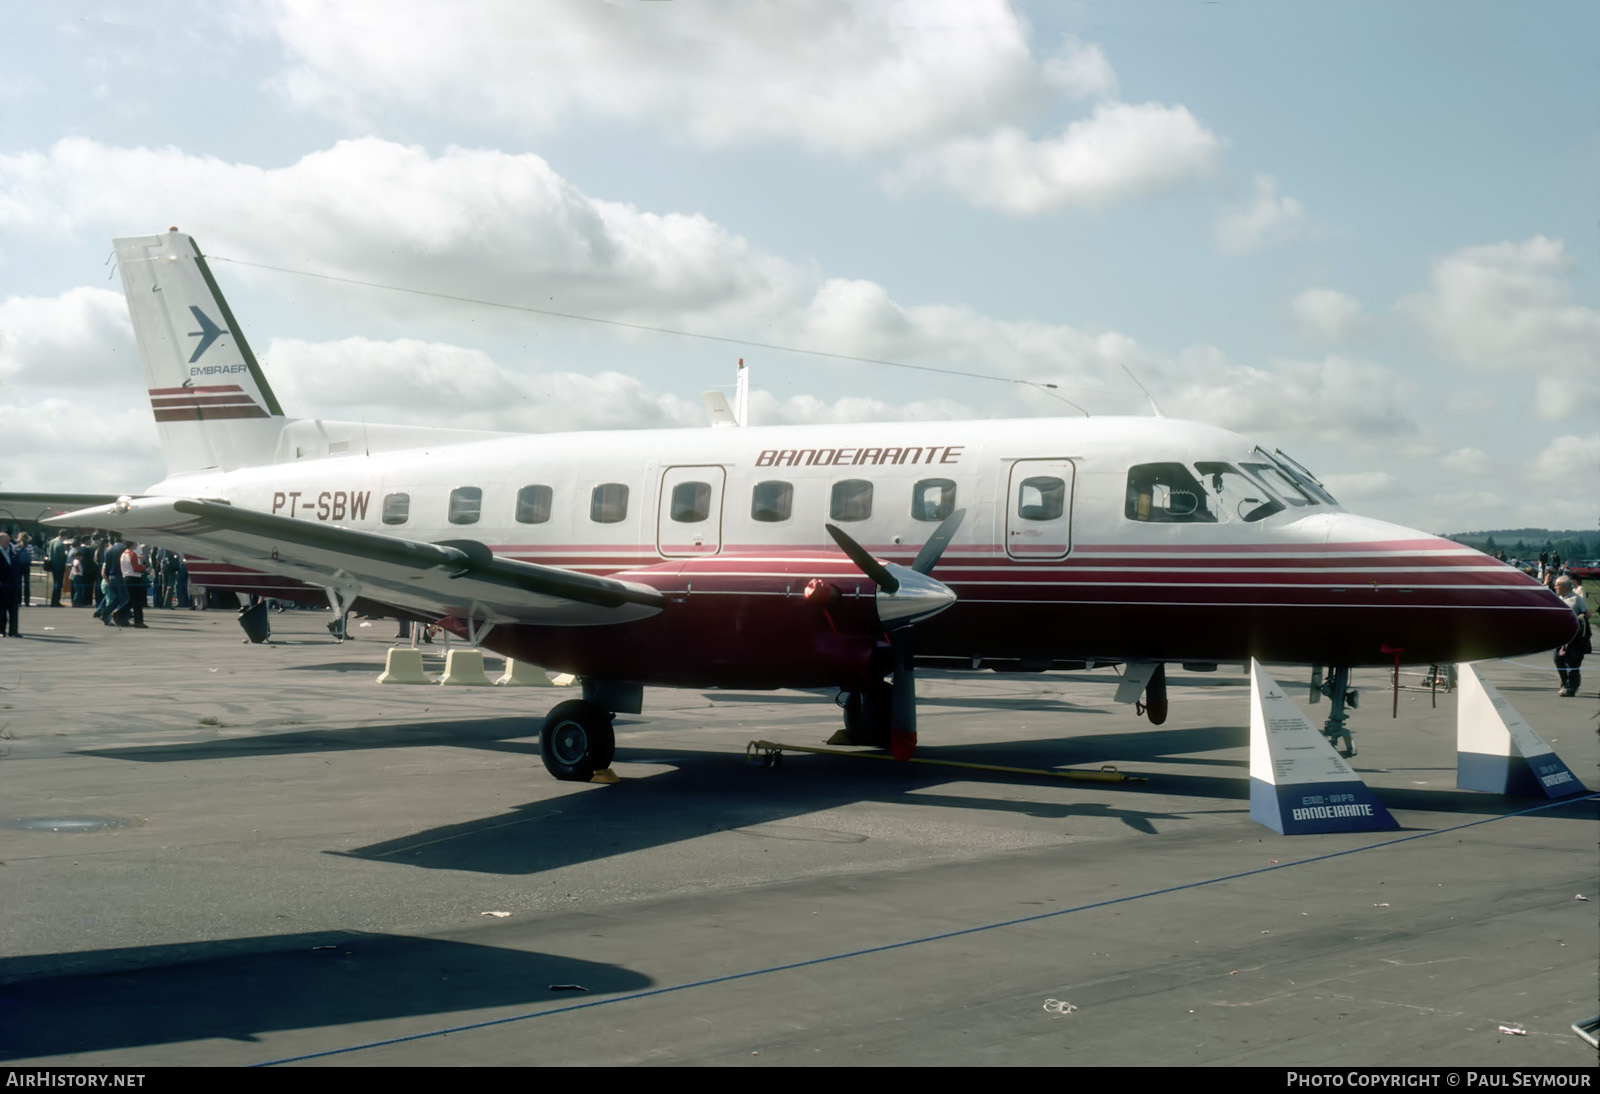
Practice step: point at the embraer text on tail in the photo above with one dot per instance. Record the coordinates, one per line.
(324, 505)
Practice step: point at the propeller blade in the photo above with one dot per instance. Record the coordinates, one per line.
(928, 557)
(870, 566)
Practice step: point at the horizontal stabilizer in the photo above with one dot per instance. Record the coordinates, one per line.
(37, 508)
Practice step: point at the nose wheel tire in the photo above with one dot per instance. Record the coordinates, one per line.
(577, 740)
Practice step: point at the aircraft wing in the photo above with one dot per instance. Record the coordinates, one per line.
(456, 578)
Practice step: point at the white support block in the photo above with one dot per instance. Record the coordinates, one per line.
(563, 680)
(1498, 752)
(464, 668)
(404, 666)
(1299, 783)
(520, 674)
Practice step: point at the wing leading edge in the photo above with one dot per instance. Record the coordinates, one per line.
(458, 578)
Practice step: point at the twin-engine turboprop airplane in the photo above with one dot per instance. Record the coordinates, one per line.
(798, 556)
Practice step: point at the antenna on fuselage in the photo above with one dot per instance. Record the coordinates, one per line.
(1156, 409)
(741, 396)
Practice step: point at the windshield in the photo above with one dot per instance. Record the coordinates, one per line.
(1169, 493)
(1289, 478)
(1303, 476)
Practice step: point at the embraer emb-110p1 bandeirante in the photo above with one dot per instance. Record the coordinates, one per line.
(796, 556)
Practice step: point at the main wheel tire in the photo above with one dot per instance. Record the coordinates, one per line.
(577, 740)
(866, 718)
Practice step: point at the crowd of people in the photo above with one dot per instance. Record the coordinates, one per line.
(118, 577)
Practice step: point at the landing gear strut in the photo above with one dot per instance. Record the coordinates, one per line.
(577, 740)
(1338, 690)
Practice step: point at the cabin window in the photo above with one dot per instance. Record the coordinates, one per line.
(396, 508)
(852, 500)
(771, 502)
(933, 499)
(1043, 497)
(1166, 493)
(691, 502)
(466, 505)
(609, 503)
(533, 504)
(1237, 496)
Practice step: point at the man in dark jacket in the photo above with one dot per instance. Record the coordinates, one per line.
(55, 561)
(10, 586)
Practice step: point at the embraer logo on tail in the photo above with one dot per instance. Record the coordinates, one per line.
(208, 333)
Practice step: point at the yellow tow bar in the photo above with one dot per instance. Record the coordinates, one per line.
(770, 753)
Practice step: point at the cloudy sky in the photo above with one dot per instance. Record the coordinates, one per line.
(1364, 232)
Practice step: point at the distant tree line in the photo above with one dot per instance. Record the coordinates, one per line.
(1527, 543)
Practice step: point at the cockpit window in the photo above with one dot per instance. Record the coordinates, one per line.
(1302, 476)
(1166, 493)
(1237, 495)
(1278, 479)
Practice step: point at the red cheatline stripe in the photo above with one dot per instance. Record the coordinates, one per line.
(178, 401)
(210, 413)
(1429, 544)
(188, 390)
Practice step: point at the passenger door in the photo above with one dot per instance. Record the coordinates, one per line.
(1039, 510)
(689, 513)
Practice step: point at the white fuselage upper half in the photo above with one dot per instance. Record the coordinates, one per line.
(607, 498)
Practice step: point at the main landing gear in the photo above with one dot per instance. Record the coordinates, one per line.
(866, 717)
(577, 740)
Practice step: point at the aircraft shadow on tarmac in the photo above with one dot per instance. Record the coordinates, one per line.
(173, 994)
(705, 791)
(701, 794)
(924, 702)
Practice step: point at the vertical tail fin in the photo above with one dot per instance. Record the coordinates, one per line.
(213, 407)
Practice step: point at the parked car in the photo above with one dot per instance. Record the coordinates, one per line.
(1583, 571)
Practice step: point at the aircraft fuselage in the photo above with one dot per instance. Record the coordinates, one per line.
(1097, 540)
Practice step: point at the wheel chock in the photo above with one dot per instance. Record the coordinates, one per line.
(604, 775)
(404, 666)
(563, 680)
(464, 668)
(520, 674)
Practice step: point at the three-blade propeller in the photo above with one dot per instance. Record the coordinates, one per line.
(905, 595)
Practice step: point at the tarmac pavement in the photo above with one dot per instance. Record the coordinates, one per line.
(217, 853)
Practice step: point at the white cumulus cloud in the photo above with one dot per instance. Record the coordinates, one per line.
(1120, 150)
(1326, 313)
(1509, 307)
(1467, 461)
(1268, 219)
(481, 223)
(1081, 70)
(1573, 461)
(842, 76)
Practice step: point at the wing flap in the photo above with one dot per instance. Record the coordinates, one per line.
(459, 578)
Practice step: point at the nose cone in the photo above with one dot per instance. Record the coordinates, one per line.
(1441, 601)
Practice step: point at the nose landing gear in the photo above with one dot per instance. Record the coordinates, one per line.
(1339, 692)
